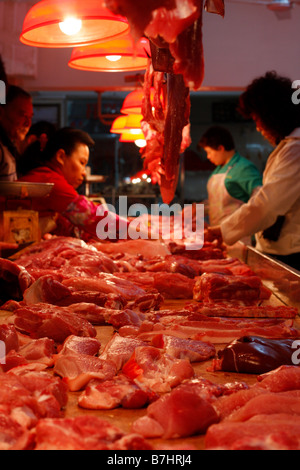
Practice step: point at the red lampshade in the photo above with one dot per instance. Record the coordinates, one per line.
(133, 102)
(118, 55)
(127, 124)
(90, 23)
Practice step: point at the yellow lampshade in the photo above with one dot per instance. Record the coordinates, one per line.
(129, 137)
(127, 124)
(70, 23)
(118, 55)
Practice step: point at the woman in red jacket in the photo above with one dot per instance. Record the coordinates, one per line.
(64, 163)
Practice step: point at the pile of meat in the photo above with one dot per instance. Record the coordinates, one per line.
(62, 291)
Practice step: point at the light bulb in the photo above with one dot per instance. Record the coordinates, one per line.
(70, 26)
(113, 58)
(140, 143)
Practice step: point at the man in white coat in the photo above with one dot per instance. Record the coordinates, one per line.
(273, 213)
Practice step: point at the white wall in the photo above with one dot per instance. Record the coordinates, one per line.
(250, 40)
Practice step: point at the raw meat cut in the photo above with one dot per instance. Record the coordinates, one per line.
(241, 311)
(47, 289)
(106, 283)
(169, 285)
(194, 351)
(268, 404)
(79, 345)
(212, 287)
(9, 336)
(157, 370)
(110, 394)
(36, 351)
(209, 329)
(254, 355)
(57, 323)
(228, 404)
(229, 435)
(13, 435)
(146, 248)
(120, 349)
(50, 393)
(77, 363)
(209, 251)
(282, 379)
(84, 433)
(182, 412)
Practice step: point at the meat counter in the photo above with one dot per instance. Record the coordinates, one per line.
(284, 283)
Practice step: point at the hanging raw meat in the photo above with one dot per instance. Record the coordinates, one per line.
(174, 28)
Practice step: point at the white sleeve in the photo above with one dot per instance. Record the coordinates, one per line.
(277, 195)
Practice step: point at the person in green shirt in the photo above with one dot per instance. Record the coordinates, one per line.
(234, 180)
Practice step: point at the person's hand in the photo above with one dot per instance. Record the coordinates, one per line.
(215, 232)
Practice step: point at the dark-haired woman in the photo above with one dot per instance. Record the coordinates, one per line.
(234, 179)
(273, 213)
(64, 211)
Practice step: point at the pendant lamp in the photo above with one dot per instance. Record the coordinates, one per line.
(138, 139)
(118, 55)
(129, 137)
(70, 23)
(133, 102)
(127, 124)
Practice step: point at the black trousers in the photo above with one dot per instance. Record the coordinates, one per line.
(292, 260)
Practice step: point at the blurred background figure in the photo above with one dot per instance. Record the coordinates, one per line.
(35, 142)
(15, 122)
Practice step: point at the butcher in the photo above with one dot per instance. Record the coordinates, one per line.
(65, 212)
(233, 180)
(273, 213)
